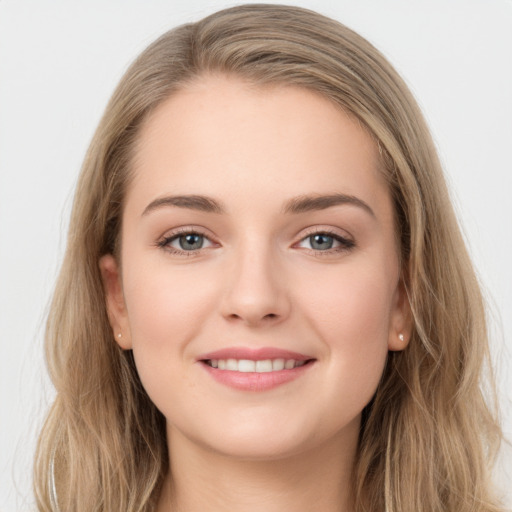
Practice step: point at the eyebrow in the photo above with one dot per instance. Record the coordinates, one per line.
(300, 204)
(308, 203)
(192, 202)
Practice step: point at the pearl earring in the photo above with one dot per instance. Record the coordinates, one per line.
(400, 337)
(119, 335)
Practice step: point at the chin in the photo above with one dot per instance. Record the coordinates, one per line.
(261, 448)
(266, 439)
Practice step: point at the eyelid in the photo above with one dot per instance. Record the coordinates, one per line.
(328, 230)
(164, 241)
(347, 242)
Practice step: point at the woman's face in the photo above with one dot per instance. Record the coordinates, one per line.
(259, 287)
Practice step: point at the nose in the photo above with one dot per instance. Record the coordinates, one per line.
(256, 291)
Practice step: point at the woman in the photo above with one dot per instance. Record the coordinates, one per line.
(266, 302)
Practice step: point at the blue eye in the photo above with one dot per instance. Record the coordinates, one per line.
(321, 242)
(325, 242)
(185, 242)
(190, 242)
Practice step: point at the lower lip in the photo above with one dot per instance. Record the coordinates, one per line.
(254, 381)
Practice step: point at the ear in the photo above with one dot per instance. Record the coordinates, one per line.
(400, 327)
(116, 307)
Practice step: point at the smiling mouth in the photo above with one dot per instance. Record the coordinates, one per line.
(256, 369)
(258, 366)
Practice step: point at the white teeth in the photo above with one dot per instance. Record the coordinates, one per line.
(261, 366)
(278, 364)
(264, 366)
(232, 364)
(245, 365)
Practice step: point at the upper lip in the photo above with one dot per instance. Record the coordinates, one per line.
(254, 354)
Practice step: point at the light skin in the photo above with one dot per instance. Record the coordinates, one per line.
(278, 267)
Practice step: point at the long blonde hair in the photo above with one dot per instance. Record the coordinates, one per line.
(427, 437)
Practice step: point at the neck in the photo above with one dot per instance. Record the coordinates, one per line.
(316, 479)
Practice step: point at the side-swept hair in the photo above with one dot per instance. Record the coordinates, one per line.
(427, 438)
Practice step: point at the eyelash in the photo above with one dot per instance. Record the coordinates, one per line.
(166, 241)
(345, 243)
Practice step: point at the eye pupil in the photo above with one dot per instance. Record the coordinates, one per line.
(320, 241)
(191, 241)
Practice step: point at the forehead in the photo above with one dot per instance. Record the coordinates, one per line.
(222, 136)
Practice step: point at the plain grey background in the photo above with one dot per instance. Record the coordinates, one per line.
(59, 63)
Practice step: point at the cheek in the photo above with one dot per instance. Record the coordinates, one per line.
(351, 315)
(166, 303)
(352, 305)
(166, 311)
